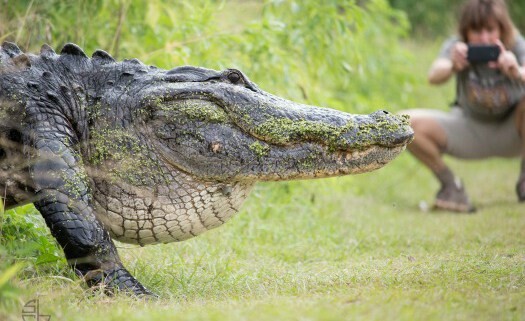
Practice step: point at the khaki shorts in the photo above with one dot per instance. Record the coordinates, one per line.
(470, 138)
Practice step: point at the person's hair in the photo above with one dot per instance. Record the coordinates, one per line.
(477, 14)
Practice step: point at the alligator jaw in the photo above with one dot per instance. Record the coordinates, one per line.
(319, 163)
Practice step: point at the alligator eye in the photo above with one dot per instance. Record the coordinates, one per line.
(234, 77)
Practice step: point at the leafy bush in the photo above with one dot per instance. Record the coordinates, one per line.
(334, 53)
(337, 53)
(25, 235)
(26, 247)
(7, 290)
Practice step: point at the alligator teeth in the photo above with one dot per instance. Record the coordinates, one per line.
(339, 158)
(357, 154)
(347, 156)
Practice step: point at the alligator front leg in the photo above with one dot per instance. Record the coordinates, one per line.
(87, 245)
(65, 202)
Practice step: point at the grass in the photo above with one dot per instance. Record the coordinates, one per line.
(344, 248)
(333, 249)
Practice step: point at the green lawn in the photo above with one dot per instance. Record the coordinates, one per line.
(329, 249)
(344, 248)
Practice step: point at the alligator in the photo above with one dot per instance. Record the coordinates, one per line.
(120, 150)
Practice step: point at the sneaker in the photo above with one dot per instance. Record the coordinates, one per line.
(454, 198)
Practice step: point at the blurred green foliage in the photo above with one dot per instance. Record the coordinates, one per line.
(337, 53)
(438, 17)
(26, 247)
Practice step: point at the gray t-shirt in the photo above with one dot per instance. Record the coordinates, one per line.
(484, 92)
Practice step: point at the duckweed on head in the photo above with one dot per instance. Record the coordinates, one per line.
(283, 131)
(260, 149)
(198, 110)
(123, 154)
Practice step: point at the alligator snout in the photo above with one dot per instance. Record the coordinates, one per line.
(403, 138)
(281, 122)
(387, 129)
(334, 129)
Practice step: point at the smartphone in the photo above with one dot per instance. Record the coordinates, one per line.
(482, 53)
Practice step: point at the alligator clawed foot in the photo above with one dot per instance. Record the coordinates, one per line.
(117, 280)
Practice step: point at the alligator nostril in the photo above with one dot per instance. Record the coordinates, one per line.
(380, 114)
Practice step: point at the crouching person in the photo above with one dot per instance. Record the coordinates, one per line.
(488, 117)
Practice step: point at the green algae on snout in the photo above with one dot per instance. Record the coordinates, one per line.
(260, 149)
(284, 131)
(310, 161)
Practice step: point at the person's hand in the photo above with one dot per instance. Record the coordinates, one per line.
(508, 63)
(459, 56)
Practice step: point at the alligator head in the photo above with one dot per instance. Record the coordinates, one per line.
(221, 126)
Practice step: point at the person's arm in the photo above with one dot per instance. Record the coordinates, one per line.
(509, 65)
(444, 67)
(520, 75)
(440, 71)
